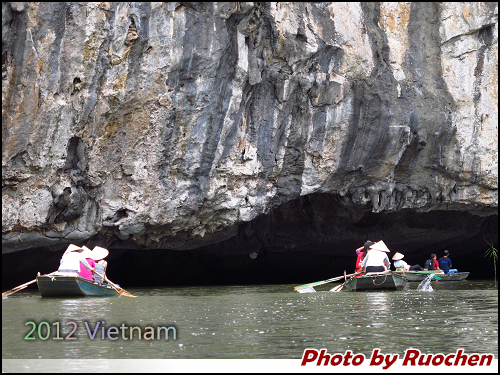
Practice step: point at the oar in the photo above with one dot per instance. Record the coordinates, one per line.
(20, 287)
(306, 290)
(338, 288)
(120, 290)
(323, 281)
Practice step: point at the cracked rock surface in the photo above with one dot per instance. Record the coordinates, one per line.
(185, 125)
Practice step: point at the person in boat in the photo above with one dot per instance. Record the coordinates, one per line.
(445, 262)
(432, 264)
(400, 263)
(71, 260)
(360, 252)
(84, 272)
(376, 259)
(98, 254)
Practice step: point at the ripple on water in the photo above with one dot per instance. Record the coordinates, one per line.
(266, 322)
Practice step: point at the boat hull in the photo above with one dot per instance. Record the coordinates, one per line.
(371, 282)
(71, 286)
(417, 275)
(413, 276)
(457, 276)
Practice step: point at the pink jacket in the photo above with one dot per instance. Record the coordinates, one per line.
(84, 272)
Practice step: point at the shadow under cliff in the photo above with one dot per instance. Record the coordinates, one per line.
(304, 240)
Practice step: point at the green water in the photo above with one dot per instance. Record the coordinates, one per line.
(264, 321)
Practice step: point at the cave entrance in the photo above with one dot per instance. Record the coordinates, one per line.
(308, 239)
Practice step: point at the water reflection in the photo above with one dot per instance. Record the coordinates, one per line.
(89, 307)
(379, 301)
(268, 321)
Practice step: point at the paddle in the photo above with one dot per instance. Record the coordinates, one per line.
(309, 289)
(338, 288)
(323, 281)
(20, 287)
(120, 290)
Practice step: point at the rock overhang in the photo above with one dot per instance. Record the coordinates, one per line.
(174, 126)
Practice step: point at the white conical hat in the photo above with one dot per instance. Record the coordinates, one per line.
(99, 253)
(87, 253)
(380, 245)
(398, 256)
(71, 248)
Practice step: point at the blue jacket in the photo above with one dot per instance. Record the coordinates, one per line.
(445, 264)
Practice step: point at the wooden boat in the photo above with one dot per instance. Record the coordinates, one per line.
(417, 275)
(376, 281)
(457, 276)
(72, 286)
(421, 275)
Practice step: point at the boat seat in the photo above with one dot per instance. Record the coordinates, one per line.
(400, 269)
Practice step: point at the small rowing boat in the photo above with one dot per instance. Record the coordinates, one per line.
(72, 286)
(376, 281)
(456, 276)
(417, 275)
(421, 275)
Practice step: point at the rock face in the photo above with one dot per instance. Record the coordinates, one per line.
(187, 125)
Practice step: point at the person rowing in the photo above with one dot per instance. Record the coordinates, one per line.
(98, 254)
(360, 253)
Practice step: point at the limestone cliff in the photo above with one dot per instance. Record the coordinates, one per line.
(182, 125)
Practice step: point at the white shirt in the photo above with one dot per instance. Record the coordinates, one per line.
(401, 263)
(376, 258)
(72, 260)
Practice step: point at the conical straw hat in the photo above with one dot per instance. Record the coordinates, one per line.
(380, 245)
(87, 253)
(99, 253)
(398, 256)
(71, 248)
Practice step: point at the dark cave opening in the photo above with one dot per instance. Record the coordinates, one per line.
(308, 239)
(156, 268)
(191, 268)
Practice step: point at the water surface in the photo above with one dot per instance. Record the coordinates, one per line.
(263, 321)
